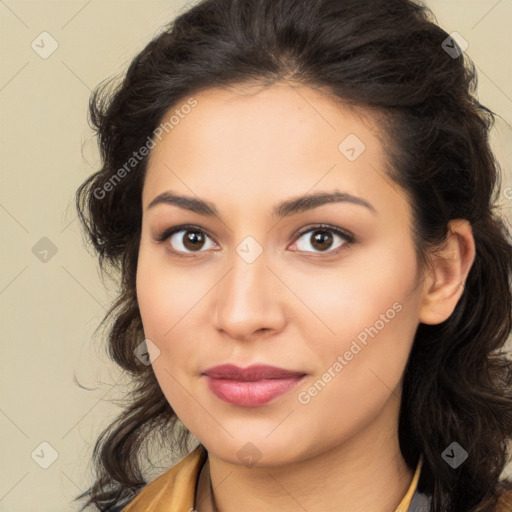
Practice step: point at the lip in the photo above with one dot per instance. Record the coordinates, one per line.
(252, 386)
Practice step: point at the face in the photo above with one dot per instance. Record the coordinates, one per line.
(326, 289)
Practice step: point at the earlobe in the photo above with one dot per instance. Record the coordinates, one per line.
(450, 267)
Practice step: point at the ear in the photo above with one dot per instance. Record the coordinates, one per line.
(445, 280)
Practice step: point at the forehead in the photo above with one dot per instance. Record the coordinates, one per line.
(256, 117)
(266, 142)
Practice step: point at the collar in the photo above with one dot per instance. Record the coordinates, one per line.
(175, 490)
(404, 505)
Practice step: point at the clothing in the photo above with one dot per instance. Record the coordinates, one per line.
(175, 490)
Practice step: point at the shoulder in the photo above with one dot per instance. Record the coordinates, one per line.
(174, 490)
(505, 501)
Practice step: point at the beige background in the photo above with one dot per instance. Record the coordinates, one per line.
(50, 309)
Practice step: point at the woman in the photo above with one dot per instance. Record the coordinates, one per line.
(299, 197)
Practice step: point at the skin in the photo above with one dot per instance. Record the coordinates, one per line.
(295, 306)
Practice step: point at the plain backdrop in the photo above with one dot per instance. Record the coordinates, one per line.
(53, 53)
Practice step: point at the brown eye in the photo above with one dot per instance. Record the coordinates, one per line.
(322, 239)
(193, 240)
(188, 240)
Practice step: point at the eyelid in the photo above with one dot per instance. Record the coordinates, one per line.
(350, 238)
(167, 233)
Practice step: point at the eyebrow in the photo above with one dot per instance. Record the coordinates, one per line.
(284, 209)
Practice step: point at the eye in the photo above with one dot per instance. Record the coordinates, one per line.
(185, 240)
(322, 237)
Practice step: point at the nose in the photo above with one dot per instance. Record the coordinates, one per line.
(249, 300)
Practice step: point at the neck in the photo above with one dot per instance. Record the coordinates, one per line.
(366, 472)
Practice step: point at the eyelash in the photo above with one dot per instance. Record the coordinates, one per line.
(349, 238)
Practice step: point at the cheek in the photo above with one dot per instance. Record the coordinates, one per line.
(370, 315)
(368, 287)
(162, 300)
(167, 298)
(165, 293)
(360, 369)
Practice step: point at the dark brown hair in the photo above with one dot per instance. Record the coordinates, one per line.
(388, 56)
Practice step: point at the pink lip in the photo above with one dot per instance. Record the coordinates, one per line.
(252, 386)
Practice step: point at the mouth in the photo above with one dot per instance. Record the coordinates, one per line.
(253, 386)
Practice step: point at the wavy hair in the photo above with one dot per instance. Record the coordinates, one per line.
(389, 56)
